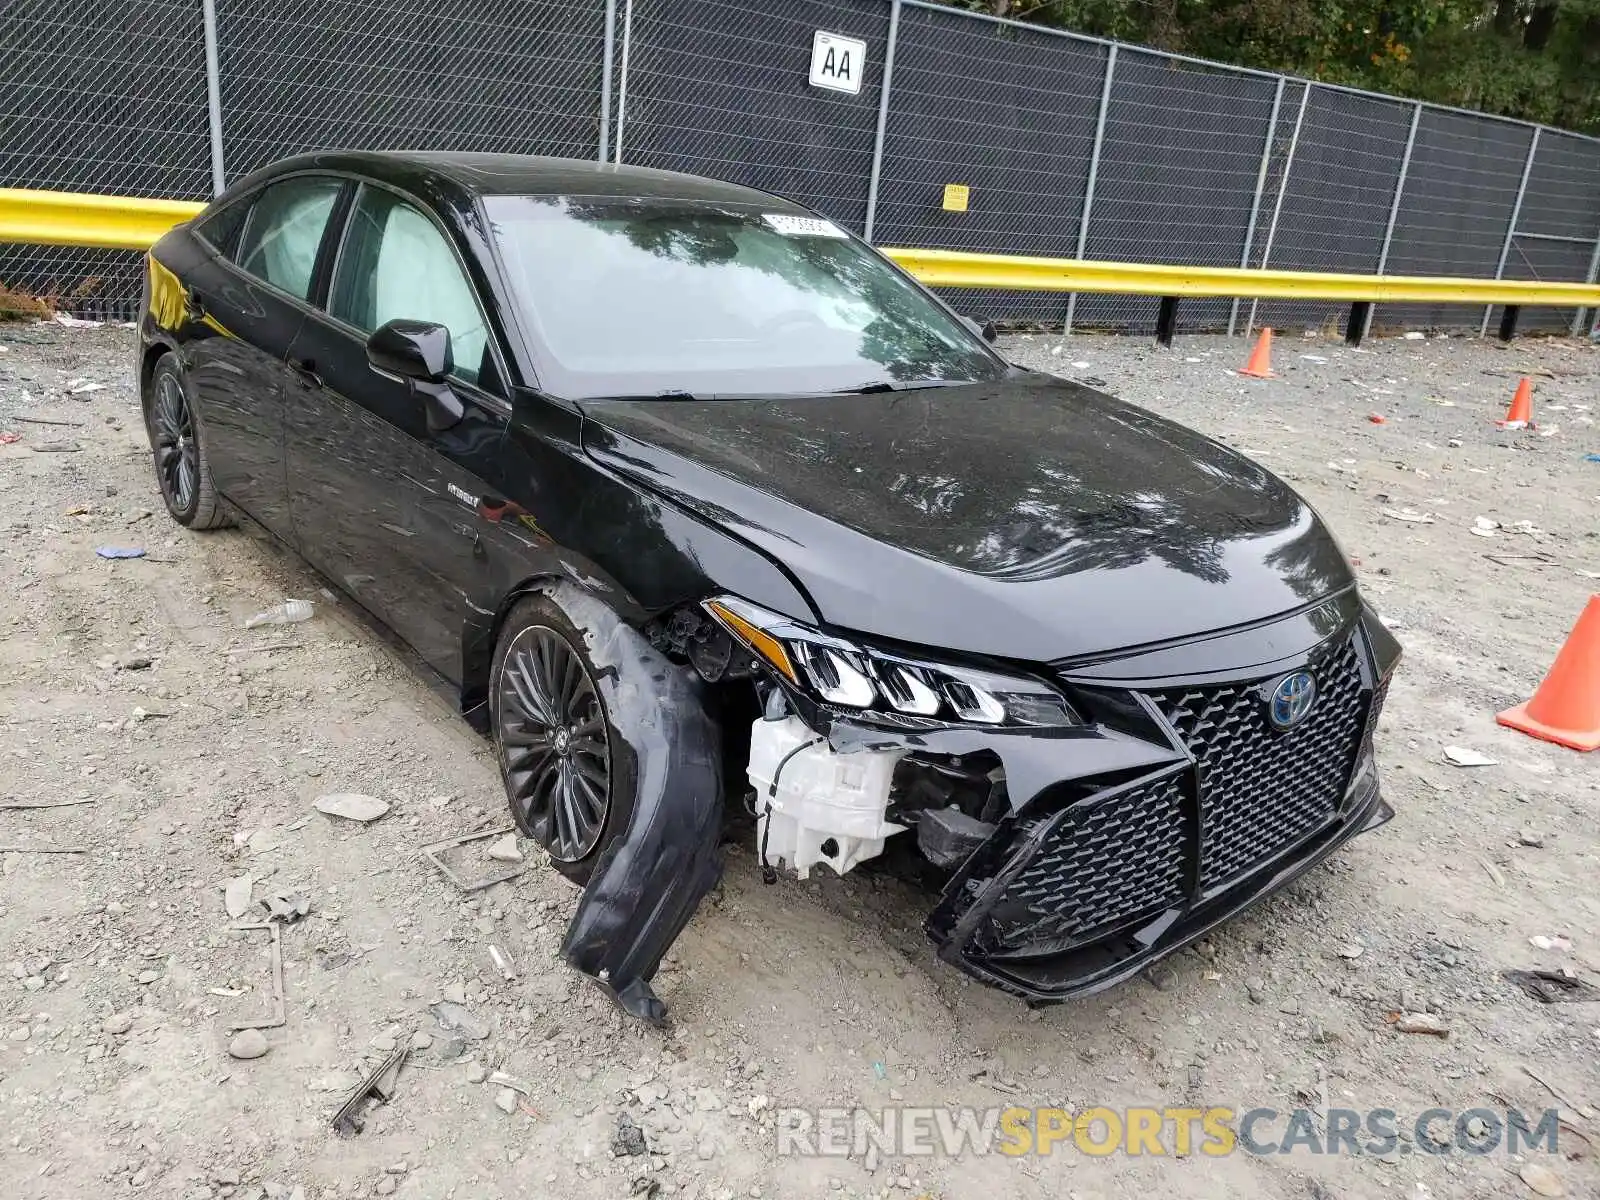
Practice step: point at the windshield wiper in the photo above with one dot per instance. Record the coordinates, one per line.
(897, 385)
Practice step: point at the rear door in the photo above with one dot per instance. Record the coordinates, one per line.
(382, 504)
(247, 305)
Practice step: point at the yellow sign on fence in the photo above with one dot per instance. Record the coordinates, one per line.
(956, 196)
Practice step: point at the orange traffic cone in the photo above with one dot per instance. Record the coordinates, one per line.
(1260, 364)
(1520, 414)
(1565, 708)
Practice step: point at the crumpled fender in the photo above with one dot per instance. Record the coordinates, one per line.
(649, 880)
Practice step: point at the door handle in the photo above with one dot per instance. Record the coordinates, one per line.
(306, 368)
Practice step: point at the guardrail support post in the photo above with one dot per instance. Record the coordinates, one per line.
(208, 18)
(1167, 320)
(1094, 171)
(605, 81)
(1508, 321)
(1511, 225)
(1261, 187)
(1283, 188)
(1589, 313)
(1359, 322)
(1394, 211)
(883, 120)
(622, 88)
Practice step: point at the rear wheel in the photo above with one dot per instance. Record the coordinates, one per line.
(568, 774)
(182, 470)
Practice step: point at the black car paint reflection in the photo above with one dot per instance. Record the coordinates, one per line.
(960, 509)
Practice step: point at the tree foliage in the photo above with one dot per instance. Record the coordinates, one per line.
(1534, 59)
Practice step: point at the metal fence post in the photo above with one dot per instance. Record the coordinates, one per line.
(1511, 225)
(605, 81)
(208, 17)
(622, 88)
(1283, 188)
(1094, 171)
(1394, 207)
(1261, 187)
(883, 119)
(1590, 278)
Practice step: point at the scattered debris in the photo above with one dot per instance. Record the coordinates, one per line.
(72, 322)
(236, 896)
(434, 851)
(1494, 873)
(290, 612)
(380, 1083)
(1541, 1179)
(352, 806)
(628, 1141)
(454, 1018)
(1560, 942)
(1553, 987)
(279, 1015)
(44, 849)
(1408, 514)
(248, 1044)
(8, 438)
(57, 448)
(120, 551)
(1351, 950)
(285, 907)
(1460, 756)
(49, 421)
(502, 963)
(505, 850)
(1530, 837)
(506, 1100)
(1413, 1022)
(1414, 335)
(1377, 418)
(25, 805)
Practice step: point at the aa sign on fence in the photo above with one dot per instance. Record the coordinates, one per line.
(837, 63)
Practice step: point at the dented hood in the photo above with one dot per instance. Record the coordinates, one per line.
(1028, 518)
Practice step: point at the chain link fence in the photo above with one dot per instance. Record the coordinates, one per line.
(1066, 146)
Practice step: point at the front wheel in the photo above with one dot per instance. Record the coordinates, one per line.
(568, 774)
(183, 471)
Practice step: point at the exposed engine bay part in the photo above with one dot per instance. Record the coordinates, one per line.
(648, 881)
(947, 837)
(689, 635)
(814, 804)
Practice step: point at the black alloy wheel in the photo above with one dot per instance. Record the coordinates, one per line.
(554, 743)
(172, 437)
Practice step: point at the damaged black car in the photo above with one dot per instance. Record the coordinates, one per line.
(700, 504)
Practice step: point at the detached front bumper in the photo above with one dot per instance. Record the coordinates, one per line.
(1178, 805)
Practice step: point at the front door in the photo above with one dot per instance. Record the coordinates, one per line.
(248, 313)
(382, 504)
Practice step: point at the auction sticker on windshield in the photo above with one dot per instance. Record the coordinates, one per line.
(792, 226)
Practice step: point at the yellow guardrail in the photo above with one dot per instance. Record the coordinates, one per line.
(133, 223)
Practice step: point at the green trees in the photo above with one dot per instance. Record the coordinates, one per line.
(1535, 59)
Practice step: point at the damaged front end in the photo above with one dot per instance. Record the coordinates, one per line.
(1080, 820)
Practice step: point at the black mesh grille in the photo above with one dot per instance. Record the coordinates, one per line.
(1263, 789)
(1113, 858)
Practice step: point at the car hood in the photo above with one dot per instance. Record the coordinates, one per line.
(1029, 518)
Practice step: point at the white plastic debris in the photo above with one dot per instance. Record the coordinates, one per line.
(1560, 942)
(290, 612)
(1408, 514)
(1414, 336)
(72, 322)
(352, 806)
(1460, 756)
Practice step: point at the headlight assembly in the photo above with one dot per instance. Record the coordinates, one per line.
(877, 682)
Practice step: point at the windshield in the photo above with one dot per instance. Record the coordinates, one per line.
(641, 298)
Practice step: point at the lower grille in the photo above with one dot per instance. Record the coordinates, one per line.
(1263, 789)
(1112, 858)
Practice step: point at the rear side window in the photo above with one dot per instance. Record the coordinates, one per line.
(280, 241)
(221, 228)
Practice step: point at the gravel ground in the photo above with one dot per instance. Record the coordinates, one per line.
(200, 749)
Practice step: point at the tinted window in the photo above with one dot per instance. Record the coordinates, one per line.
(221, 228)
(396, 263)
(641, 297)
(285, 228)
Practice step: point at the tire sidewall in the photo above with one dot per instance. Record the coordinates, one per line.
(543, 610)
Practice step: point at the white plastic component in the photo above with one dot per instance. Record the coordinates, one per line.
(821, 798)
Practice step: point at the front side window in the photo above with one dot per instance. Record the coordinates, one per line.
(643, 297)
(285, 229)
(396, 263)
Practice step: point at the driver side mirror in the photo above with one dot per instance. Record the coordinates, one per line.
(418, 354)
(984, 329)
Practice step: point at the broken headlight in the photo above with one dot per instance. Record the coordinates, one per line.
(850, 676)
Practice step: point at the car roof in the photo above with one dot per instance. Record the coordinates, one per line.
(522, 175)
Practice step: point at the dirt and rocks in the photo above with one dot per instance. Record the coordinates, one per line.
(199, 750)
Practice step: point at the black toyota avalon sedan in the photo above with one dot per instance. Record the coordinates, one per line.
(688, 493)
